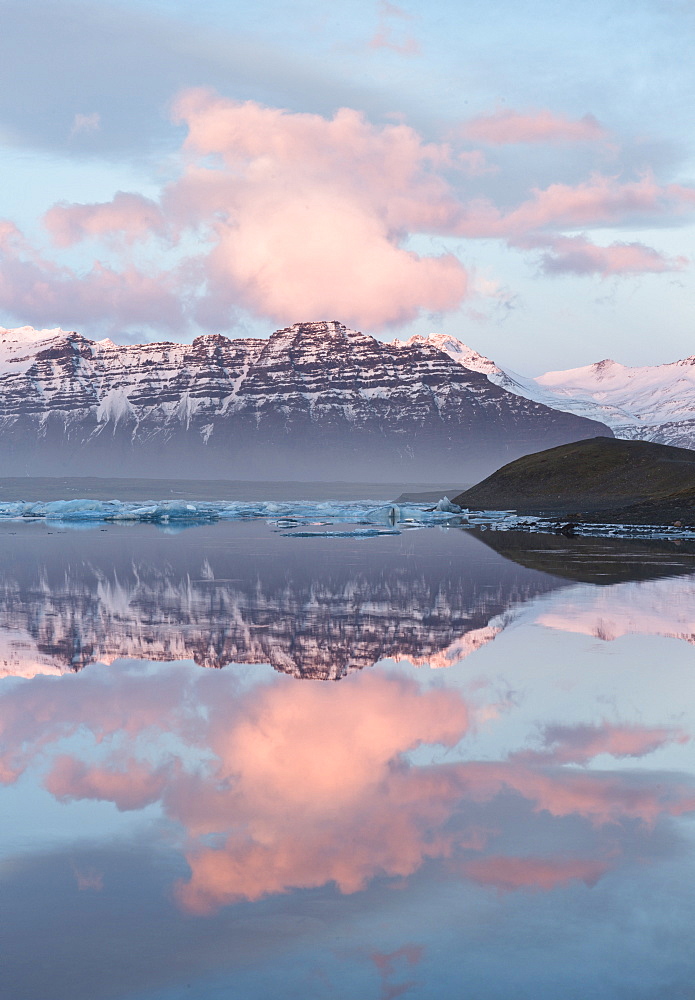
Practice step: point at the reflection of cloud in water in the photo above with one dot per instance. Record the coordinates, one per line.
(651, 607)
(286, 786)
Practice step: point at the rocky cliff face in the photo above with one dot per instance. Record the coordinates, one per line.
(314, 401)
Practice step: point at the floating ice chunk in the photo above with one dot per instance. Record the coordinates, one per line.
(445, 505)
(357, 533)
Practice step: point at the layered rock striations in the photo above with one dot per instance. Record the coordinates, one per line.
(314, 401)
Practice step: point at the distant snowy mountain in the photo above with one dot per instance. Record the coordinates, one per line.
(314, 401)
(652, 403)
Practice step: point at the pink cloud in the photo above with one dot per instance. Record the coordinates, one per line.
(390, 964)
(598, 797)
(291, 215)
(296, 215)
(43, 293)
(133, 785)
(304, 785)
(129, 216)
(601, 201)
(534, 873)
(387, 35)
(577, 255)
(580, 744)
(36, 717)
(310, 215)
(311, 766)
(506, 127)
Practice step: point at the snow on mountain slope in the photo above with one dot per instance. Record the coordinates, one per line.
(313, 401)
(656, 402)
(651, 403)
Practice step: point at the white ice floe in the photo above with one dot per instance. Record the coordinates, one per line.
(285, 515)
(292, 515)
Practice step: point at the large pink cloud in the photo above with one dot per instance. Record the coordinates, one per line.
(506, 127)
(293, 216)
(310, 216)
(289, 784)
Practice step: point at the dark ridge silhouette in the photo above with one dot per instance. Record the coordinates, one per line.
(598, 480)
(593, 560)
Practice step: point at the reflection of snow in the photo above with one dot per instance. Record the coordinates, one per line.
(20, 657)
(654, 607)
(322, 634)
(458, 650)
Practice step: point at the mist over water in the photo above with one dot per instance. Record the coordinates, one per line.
(399, 765)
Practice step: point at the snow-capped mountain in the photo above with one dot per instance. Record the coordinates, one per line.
(314, 401)
(650, 403)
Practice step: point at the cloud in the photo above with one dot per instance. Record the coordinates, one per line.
(387, 35)
(310, 215)
(43, 293)
(294, 803)
(299, 785)
(534, 873)
(508, 127)
(86, 123)
(293, 215)
(133, 785)
(580, 744)
(129, 216)
(600, 201)
(578, 255)
(390, 964)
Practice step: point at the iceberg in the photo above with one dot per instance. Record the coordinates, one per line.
(280, 514)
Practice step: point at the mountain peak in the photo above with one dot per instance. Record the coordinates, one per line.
(456, 349)
(600, 366)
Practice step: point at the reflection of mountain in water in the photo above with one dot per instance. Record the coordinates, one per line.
(240, 593)
(315, 608)
(594, 560)
(647, 587)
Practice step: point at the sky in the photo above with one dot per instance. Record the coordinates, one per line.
(520, 176)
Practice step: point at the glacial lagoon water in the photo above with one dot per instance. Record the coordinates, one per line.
(239, 761)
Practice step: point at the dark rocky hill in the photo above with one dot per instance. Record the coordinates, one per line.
(601, 479)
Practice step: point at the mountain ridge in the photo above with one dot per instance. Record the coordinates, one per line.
(648, 402)
(314, 400)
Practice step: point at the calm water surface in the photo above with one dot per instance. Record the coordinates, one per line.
(443, 763)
